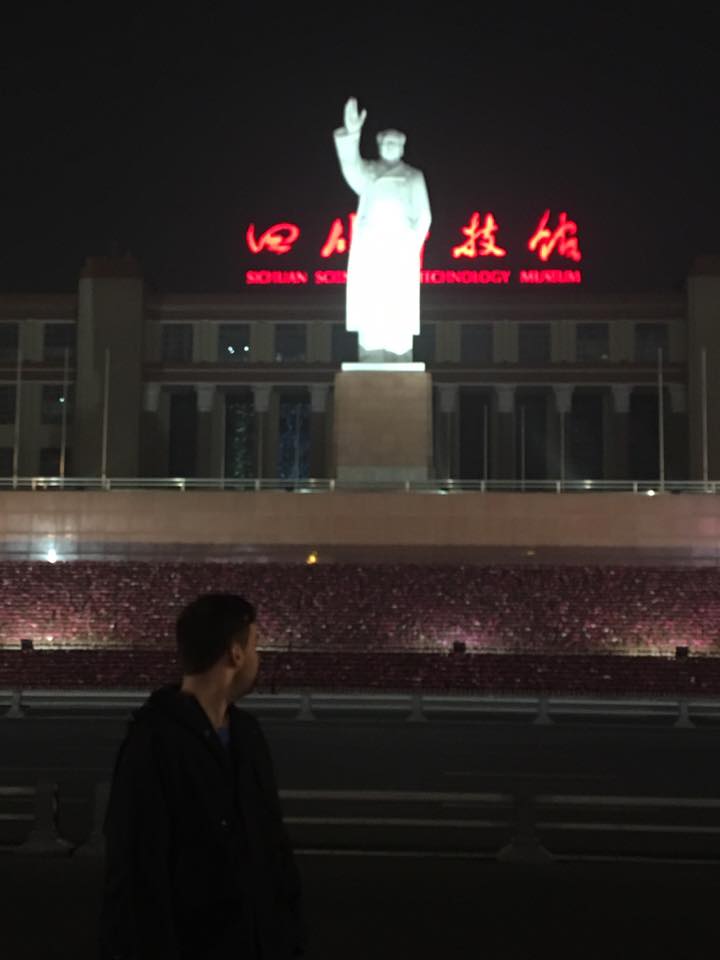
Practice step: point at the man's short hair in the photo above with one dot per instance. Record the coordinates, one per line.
(391, 134)
(206, 627)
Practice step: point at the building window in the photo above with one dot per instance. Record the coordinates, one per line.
(6, 461)
(8, 341)
(239, 435)
(584, 432)
(51, 408)
(7, 404)
(177, 342)
(592, 342)
(49, 465)
(476, 343)
(534, 343)
(290, 342)
(234, 343)
(424, 344)
(643, 435)
(182, 434)
(531, 435)
(649, 338)
(294, 436)
(57, 338)
(344, 345)
(475, 425)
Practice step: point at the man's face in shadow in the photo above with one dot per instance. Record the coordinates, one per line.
(246, 661)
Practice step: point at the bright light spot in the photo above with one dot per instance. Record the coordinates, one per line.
(311, 558)
(246, 348)
(49, 638)
(231, 349)
(62, 399)
(51, 555)
(651, 493)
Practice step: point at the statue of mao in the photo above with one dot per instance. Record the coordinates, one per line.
(393, 217)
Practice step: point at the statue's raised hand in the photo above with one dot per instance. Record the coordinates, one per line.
(353, 119)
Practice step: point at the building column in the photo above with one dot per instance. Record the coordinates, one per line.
(205, 395)
(262, 342)
(504, 344)
(504, 467)
(153, 450)
(446, 443)
(622, 342)
(620, 466)
(319, 343)
(558, 431)
(562, 341)
(263, 454)
(318, 429)
(205, 337)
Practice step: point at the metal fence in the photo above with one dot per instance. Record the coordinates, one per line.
(331, 485)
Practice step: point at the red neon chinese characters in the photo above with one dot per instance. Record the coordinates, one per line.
(563, 238)
(480, 239)
(336, 242)
(276, 239)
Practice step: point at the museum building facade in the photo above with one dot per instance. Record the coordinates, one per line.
(539, 383)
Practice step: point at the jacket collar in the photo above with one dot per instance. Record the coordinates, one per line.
(185, 709)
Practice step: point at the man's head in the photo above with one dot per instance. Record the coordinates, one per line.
(216, 638)
(391, 145)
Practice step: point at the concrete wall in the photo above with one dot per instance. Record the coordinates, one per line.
(690, 522)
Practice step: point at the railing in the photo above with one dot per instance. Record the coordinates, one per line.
(331, 485)
(520, 825)
(543, 709)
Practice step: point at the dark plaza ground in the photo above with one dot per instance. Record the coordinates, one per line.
(418, 909)
(385, 899)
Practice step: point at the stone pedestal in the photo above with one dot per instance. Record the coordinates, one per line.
(382, 425)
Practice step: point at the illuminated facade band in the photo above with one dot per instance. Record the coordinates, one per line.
(549, 246)
(480, 241)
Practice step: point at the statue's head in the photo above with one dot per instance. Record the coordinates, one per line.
(391, 145)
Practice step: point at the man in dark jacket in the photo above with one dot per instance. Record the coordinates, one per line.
(198, 863)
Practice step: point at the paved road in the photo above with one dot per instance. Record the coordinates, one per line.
(392, 904)
(466, 757)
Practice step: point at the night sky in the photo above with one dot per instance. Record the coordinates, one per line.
(165, 136)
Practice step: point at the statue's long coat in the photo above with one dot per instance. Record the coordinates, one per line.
(393, 217)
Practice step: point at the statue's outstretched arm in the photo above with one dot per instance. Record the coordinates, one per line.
(347, 144)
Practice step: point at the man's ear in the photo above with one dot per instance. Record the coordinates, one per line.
(238, 654)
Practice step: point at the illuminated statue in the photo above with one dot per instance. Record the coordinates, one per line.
(393, 217)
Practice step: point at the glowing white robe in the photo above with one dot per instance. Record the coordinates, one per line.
(393, 218)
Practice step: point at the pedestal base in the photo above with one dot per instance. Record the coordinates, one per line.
(383, 425)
